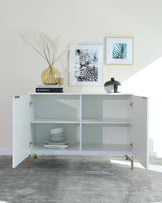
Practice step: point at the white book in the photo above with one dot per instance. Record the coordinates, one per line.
(50, 86)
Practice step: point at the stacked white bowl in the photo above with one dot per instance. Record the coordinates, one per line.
(57, 135)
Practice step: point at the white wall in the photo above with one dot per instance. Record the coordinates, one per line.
(88, 21)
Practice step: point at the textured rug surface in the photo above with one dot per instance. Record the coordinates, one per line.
(67, 179)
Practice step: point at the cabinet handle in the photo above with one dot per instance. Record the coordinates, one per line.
(131, 104)
(30, 104)
(30, 144)
(16, 97)
(144, 97)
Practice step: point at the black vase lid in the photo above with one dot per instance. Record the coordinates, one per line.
(112, 82)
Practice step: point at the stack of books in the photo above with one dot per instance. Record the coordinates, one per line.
(50, 88)
(55, 145)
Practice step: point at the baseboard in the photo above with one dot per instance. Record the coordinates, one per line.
(152, 154)
(5, 152)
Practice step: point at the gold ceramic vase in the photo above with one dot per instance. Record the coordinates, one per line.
(50, 76)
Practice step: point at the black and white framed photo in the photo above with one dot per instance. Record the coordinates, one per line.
(86, 65)
(119, 50)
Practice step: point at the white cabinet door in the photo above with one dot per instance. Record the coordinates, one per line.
(139, 129)
(21, 129)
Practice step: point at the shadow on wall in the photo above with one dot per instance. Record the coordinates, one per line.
(148, 82)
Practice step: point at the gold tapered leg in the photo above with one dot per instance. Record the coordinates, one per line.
(30, 158)
(131, 160)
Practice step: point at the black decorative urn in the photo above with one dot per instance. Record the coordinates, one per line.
(112, 86)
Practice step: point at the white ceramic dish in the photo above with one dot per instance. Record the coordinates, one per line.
(56, 130)
(60, 138)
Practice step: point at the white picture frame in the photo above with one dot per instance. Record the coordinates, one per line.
(119, 50)
(86, 65)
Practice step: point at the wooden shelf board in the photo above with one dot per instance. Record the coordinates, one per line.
(107, 121)
(105, 147)
(87, 149)
(84, 121)
(39, 149)
(44, 120)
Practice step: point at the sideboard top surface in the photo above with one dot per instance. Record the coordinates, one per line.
(114, 94)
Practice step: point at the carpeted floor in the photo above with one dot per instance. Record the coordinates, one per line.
(80, 180)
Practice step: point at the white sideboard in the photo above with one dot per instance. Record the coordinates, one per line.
(94, 124)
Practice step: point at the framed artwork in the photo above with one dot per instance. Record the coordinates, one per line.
(119, 50)
(86, 65)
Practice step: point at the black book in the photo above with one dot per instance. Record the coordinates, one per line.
(49, 90)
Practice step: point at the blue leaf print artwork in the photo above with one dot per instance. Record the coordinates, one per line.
(119, 51)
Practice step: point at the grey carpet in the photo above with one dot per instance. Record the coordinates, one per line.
(78, 180)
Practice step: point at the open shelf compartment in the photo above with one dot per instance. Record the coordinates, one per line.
(107, 138)
(41, 133)
(56, 108)
(106, 109)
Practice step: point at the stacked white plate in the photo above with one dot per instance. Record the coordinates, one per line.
(56, 139)
(57, 135)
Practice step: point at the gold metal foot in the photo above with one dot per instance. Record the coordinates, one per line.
(30, 158)
(131, 160)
